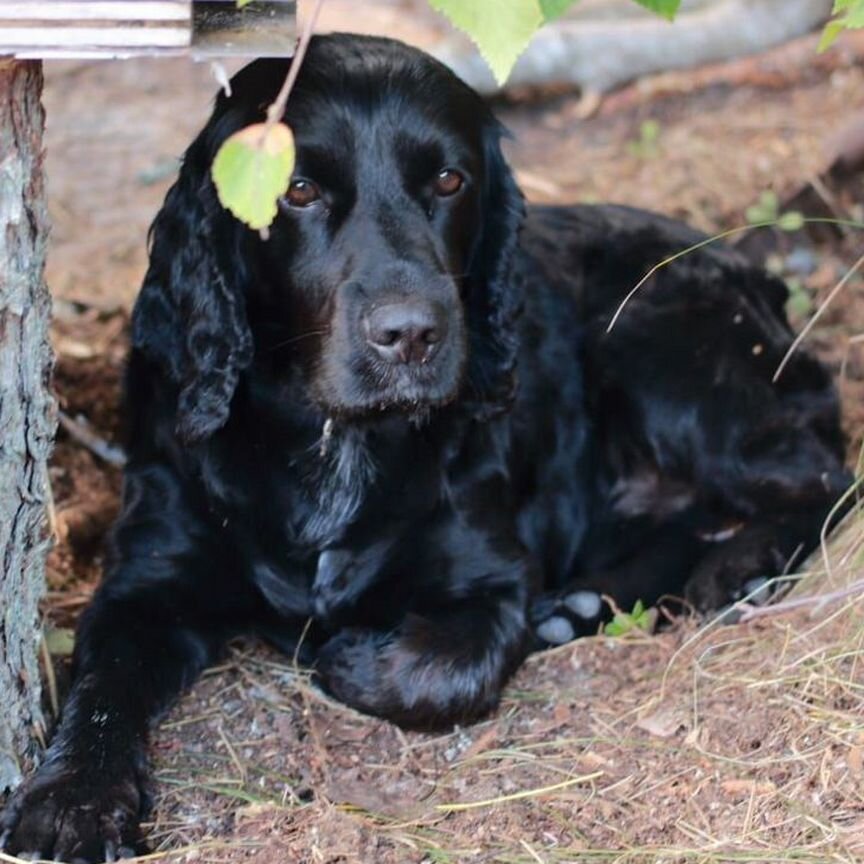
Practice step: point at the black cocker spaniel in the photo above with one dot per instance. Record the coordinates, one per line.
(402, 416)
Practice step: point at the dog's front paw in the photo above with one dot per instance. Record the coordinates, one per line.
(432, 670)
(67, 813)
(353, 666)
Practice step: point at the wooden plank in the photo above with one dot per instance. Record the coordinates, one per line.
(126, 28)
(98, 10)
(94, 37)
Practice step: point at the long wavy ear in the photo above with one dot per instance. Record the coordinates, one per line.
(496, 298)
(190, 316)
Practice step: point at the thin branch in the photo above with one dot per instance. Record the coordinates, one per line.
(79, 430)
(818, 314)
(749, 612)
(277, 109)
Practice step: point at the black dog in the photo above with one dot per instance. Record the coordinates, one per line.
(400, 419)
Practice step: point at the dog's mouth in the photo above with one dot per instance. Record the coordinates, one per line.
(407, 390)
(366, 387)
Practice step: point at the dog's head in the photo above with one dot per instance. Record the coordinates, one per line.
(384, 282)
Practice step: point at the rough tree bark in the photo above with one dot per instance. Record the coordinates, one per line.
(27, 415)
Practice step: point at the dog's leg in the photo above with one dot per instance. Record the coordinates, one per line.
(156, 622)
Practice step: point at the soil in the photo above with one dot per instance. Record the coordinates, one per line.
(737, 743)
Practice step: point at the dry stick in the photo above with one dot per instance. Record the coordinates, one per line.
(82, 433)
(277, 109)
(818, 314)
(817, 600)
(846, 223)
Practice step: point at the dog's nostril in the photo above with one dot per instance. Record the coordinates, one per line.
(431, 335)
(387, 337)
(408, 332)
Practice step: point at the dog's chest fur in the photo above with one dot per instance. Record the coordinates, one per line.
(337, 477)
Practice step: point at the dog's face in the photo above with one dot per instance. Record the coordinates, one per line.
(367, 262)
(384, 283)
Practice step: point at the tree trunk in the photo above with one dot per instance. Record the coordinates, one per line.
(27, 414)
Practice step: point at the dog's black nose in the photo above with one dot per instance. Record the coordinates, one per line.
(406, 332)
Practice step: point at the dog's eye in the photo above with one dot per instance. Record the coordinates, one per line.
(302, 193)
(448, 182)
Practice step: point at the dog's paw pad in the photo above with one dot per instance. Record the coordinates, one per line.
(556, 630)
(585, 604)
(758, 591)
(560, 618)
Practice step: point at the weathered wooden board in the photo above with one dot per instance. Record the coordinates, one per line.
(123, 28)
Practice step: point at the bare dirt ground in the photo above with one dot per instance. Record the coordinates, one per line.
(738, 743)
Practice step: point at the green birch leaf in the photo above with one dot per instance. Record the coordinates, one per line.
(666, 8)
(252, 170)
(552, 9)
(848, 15)
(829, 35)
(501, 28)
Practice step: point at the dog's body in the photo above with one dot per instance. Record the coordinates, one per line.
(398, 419)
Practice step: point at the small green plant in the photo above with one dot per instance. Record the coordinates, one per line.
(767, 210)
(640, 620)
(799, 305)
(646, 146)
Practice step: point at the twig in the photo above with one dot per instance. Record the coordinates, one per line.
(841, 502)
(517, 796)
(749, 612)
(817, 315)
(277, 109)
(79, 430)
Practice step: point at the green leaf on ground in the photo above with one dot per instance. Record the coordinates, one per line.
(501, 30)
(767, 209)
(646, 145)
(666, 8)
(252, 169)
(242, 3)
(799, 304)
